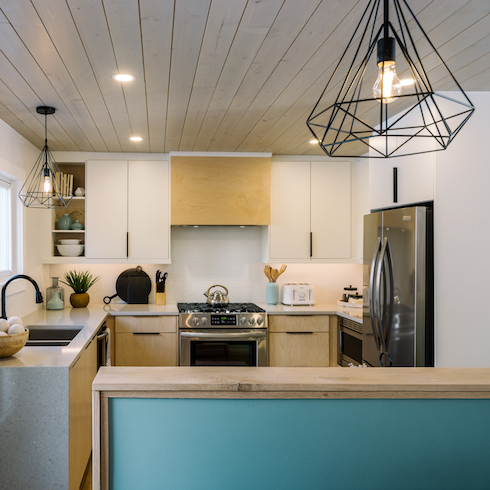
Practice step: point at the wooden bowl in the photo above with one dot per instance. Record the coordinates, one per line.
(11, 344)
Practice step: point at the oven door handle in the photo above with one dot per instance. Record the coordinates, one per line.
(220, 335)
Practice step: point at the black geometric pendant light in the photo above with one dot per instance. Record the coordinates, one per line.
(45, 186)
(386, 101)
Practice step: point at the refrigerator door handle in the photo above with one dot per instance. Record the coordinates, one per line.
(374, 292)
(385, 314)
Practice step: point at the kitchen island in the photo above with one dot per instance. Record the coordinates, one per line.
(291, 428)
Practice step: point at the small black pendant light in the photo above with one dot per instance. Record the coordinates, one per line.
(45, 186)
(401, 113)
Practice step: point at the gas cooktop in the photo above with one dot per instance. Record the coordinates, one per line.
(229, 308)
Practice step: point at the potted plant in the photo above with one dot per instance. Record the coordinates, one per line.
(80, 282)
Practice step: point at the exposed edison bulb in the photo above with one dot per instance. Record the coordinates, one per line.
(387, 86)
(47, 181)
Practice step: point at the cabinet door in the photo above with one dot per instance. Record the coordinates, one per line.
(290, 211)
(331, 210)
(81, 376)
(148, 210)
(106, 209)
(146, 341)
(146, 349)
(296, 349)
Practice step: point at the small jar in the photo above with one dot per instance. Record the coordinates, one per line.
(65, 222)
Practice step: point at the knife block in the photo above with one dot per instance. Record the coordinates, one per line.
(160, 299)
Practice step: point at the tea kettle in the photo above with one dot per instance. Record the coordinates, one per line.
(217, 297)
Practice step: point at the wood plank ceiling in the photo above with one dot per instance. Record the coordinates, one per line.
(211, 75)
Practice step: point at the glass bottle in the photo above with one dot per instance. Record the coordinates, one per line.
(52, 289)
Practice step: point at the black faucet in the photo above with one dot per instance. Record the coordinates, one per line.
(39, 296)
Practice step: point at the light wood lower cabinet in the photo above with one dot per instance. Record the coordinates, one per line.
(81, 376)
(299, 341)
(146, 341)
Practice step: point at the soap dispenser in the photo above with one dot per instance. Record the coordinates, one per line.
(58, 298)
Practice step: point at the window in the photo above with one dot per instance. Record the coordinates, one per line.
(5, 230)
(10, 224)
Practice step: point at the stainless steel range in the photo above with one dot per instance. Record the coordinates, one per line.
(222, 335)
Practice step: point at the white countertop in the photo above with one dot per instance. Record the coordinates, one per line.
(353, 313)
(92, 317)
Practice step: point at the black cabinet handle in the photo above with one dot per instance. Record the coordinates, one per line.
(146, 333)
(127, 244)
(302, 333)
(311, 244)
(395, 184)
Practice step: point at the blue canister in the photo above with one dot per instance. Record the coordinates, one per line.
(272, 293)
(65, 222)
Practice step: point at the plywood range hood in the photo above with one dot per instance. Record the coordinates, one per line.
(220, 190)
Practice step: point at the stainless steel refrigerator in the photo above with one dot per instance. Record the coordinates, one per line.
(398, 299)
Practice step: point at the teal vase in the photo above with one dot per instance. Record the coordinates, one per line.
(272, 293)
(65, 222)
(55, 303)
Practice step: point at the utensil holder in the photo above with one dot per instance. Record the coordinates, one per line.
(160, 299)
(272, 293)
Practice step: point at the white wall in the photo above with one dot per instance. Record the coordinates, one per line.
(462, 243)
(17, 156)
(231, 256)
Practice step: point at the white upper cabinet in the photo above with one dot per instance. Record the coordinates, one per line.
(128, 211)
(310, 211)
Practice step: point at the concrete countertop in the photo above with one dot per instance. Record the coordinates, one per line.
(92, 317)
(354, 314)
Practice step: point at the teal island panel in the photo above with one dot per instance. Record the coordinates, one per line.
(298, 444)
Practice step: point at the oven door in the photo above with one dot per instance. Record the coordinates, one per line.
(349, 346)
(223, 347)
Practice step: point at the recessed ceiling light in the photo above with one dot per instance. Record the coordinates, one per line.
(313, 142)
(407, 81)
(122, 77)
(136, 138)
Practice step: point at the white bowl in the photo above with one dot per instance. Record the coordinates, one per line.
(70, 250)
(70, 241)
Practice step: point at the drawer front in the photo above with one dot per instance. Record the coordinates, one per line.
(148, 324)
(157, 349)
(298, 323)
(299, 349)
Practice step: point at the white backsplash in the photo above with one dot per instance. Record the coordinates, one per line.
(230, 256)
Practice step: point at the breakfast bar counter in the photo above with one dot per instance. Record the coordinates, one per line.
(291, 427)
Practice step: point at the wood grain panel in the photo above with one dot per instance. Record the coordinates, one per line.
(334, 382)
(298, 349)
(80, 414)
(127, 324)
(220, 191)
(298, 323)
(147, 349)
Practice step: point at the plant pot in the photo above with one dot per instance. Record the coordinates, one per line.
(79, 300)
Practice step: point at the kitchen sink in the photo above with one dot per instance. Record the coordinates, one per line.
(49, 335)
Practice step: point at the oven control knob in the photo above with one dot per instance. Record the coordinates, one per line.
(243, 319)
(195, 321)
(251, 320)
(203, 320)
(259, 320)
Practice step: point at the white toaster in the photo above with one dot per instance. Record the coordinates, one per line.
(298, 293)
